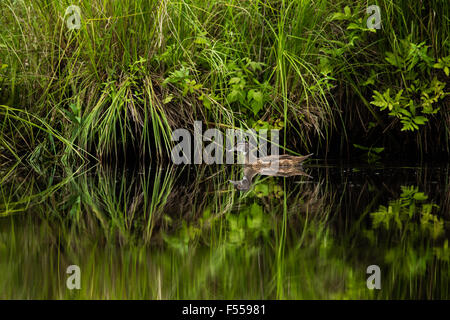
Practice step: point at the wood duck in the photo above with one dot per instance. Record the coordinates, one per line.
(273, 165)
(273, 161)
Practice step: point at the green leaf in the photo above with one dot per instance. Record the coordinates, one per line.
(256, 106)
(347, 11)
(261, 190)
(234, 80)
(369, 81)
(74, 108)
(207, 103)
(420, 120)
(255, 95)
(201, 40)
(393, 59)
(354, 26)
(168, 99)
(405, 112)
(420, 196)
(360, 147)
(235, 95)
(378, 150)
(338, 16)
(256, 65)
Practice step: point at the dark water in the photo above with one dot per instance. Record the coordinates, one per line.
(185, 232)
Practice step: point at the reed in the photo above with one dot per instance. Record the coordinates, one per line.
(136, 70)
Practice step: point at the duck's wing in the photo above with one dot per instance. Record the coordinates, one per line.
(282, 157)
(301, 158)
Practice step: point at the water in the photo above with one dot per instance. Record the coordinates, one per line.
(186, 233)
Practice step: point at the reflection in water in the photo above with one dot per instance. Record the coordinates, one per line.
(186, 233)
(250, 172)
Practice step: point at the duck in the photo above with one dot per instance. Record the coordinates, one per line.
(273, 165)
(283, 160)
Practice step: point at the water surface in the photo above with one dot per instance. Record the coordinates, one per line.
(186, 233)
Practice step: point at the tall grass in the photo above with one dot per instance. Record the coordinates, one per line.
(136, 70)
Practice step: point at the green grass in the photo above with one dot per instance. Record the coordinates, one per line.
(138, 69)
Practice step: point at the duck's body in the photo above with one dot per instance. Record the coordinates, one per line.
(280, 161)
(283, 160)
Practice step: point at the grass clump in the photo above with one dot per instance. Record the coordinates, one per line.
(136, 70)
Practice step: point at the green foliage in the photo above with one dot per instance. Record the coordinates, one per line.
(248, 226)
(244, 88)
(419, 99)
(371, 62)
(372, 153)
(74, 114)
(304, 63)
(182, 79)
(410, 58)
(443, 63)
(355, 32)
(402, 214)
(272, 124)
(269, 190)
(2, 69)
(415, 217)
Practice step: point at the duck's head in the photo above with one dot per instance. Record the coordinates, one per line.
(242, 185)
(242, 147)
(247, 150)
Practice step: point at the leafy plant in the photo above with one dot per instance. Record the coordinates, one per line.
(182, 79)
(443, 63)
(372, 154)
(2, 67)
(244, 86)
(75, 114)
(402, 212)
(419, 97)
(409, 56)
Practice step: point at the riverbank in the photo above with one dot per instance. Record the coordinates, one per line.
(136, 70)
